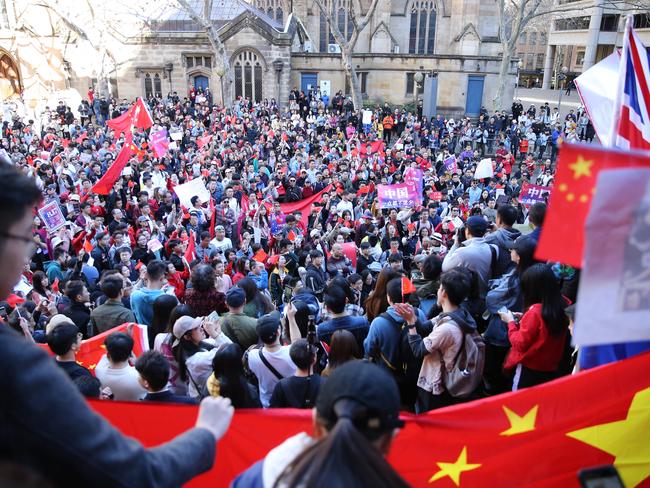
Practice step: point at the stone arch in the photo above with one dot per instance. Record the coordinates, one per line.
(199, 71)
(255, 51)
(10, 79)
(248, 68)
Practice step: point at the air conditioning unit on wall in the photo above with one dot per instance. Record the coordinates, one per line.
(333, 49)
(396, 49)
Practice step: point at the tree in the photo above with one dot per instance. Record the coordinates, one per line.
(331, 12)
(515, 16)
(225, 70)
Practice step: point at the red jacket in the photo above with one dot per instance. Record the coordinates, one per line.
(532, 344)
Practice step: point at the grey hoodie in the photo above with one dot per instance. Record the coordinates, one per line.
(502, 238)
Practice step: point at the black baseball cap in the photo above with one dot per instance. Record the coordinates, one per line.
(267, 327)
(365, 384)
(477, 225)
(523, 245)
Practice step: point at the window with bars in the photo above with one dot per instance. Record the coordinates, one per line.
(342, 19)
(273, 8)
(422, 34)
(152, 84)
(533, 38)
(193, 61)
(248, 76)
(539, 62)
(363, 82)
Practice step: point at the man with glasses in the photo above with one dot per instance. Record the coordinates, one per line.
(50, 429)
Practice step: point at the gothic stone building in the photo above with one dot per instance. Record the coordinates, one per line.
(276, 45)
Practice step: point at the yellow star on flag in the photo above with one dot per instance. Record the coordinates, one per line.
(454, 470)
(520, 424)
(582, 167)
(626, 440)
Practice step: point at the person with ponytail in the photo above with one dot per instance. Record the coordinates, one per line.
(355, 420)
(538, 338)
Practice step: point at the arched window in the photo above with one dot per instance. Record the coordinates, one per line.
(342, 19)
(248, 76)
(9, 76)
(157, 85)
(423, 27)
(148, 86)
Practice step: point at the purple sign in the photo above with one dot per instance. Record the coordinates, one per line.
(397, 196)
(531, 194)
(51, 216)
(414, 177)
(450, 164)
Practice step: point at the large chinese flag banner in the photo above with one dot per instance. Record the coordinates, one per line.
(537, 437)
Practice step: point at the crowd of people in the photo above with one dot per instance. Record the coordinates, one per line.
(247, 306)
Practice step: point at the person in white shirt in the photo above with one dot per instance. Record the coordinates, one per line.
(220, 240)
(114, 370)
(272, 362)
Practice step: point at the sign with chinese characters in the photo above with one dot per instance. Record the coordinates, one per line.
(402, 195)
(52, 216)
(413, 177)
(533, 193)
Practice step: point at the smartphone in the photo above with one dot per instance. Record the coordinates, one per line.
(600, 477)
(503, 310)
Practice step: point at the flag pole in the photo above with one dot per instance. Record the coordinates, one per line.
(622, 71)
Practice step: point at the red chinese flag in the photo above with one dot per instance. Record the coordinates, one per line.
(122, 124)
(291, 235)
(260, 256)
(213, 218)
(407, 287)
(55, 286)
(13, 300)
(577, 169)
(493, 441)
(141, 116)
(190, 252)
(88, 246)
(105, 184)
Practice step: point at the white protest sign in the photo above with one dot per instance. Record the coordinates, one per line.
(484, 169)
(186, 191)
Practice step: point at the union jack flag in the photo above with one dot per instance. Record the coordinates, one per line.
(632, 109)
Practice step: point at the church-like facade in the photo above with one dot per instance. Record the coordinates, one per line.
(277, 45)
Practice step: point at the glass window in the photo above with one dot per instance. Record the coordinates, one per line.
(609, 23)
(422, 33)
(248, 76)
(642, 21)
(190, 62)
(148, 87)
(533, 38)
(157, 85)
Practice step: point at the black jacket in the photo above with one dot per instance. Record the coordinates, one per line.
(315, 280)
(80, 315)
(48, 426)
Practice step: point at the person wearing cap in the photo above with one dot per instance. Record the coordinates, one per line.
(195, 342)
(437, 245)
(220, 241)
(473, 253)
(272, 362)
(505, 292)
(236, 325)
(358, 401)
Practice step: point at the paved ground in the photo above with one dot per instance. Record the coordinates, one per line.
(537, 96)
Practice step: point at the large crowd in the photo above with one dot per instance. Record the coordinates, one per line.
(268, 309)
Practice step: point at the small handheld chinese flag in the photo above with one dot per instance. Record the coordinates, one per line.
(190, 252)
(88, 247)
(260, 256)
(291, 235)
(407, 287)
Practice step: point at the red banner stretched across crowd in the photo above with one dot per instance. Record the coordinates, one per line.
(540, 436)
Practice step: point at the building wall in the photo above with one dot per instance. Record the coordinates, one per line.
(387, 76)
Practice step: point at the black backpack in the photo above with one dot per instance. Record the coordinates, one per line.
(407, 367)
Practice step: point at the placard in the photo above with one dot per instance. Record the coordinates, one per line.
(52, 216)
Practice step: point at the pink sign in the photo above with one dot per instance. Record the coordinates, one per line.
(533, 193)
(413, 176)
(51, 216)
(159, 143)
(397, 196)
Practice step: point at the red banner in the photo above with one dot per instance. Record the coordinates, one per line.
(538, 437)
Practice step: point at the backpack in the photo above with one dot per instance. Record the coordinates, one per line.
(467, 371)
(407, 369)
